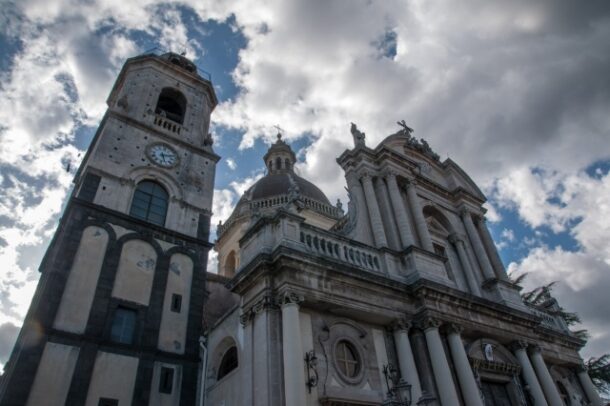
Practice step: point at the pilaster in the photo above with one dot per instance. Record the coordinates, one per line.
(418, 215)
(294, 372)
(479, 250)
(373, 209)
(400, 212)
(496, 261)
(473, 285)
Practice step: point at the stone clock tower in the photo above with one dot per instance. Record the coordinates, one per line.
(117, 314)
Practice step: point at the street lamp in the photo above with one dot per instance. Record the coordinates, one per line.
(399, 392)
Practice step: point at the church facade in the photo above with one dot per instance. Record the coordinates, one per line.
(400, 299)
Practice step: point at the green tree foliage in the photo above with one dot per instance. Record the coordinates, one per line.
(541, 295)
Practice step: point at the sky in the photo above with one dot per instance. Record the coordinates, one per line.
(517, 93)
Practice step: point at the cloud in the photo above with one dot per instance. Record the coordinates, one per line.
(231, 163)
(8, 335)
(501, 87)
(583, 274)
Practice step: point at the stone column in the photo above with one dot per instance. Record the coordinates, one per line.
(418, 215)
(470, 278)
(544, 376)
(440, 365)
(400, 212)
(406, 362)
(528, 373)
(587, 385)
(479, 250)
(468, 384)
(496, 261)
(374, 213)
(294, 368)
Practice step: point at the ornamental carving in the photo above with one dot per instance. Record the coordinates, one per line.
(518, 345)
(453, 328)
(429, 323)
(289, 297)
(401, 325)
(265, 303)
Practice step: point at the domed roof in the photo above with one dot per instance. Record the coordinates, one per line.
(281, 179)
(284, 183)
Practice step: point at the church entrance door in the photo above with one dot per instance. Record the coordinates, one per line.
(496, 394)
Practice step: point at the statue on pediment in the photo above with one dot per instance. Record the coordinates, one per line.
(358, 135)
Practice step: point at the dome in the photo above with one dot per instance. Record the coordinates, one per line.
(284, 183)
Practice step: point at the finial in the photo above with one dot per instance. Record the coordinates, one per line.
(405, 127)
(279, 132)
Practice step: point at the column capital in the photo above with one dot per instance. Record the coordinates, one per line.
(410, 182)
(455, 238)
(518, 345)
(289, 298)
(454, 328)
(534, 349)
(266, 302)
(430, 323)
(390, 174)
(401, 325)
(465, 211)
(581, 368)
(366, 176)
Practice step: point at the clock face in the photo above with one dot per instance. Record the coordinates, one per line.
(163, 155)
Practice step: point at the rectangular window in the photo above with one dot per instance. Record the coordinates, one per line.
(123, 326)
(176, 303)
(89, 189)
(166, 381)
(108, 402)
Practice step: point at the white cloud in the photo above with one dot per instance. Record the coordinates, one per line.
(508, 234)
(501, 87)
(583, 274)
(231, 163)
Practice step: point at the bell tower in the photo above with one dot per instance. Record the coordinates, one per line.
(117, 314)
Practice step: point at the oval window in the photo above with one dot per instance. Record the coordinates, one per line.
(347, 359)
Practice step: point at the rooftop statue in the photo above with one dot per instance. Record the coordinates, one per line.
(358, 136)
(420, 145)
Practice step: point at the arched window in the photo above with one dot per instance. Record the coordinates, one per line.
(228, 363)
(287, 163)
(150, 202)
(171, 104)
(278, 163)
